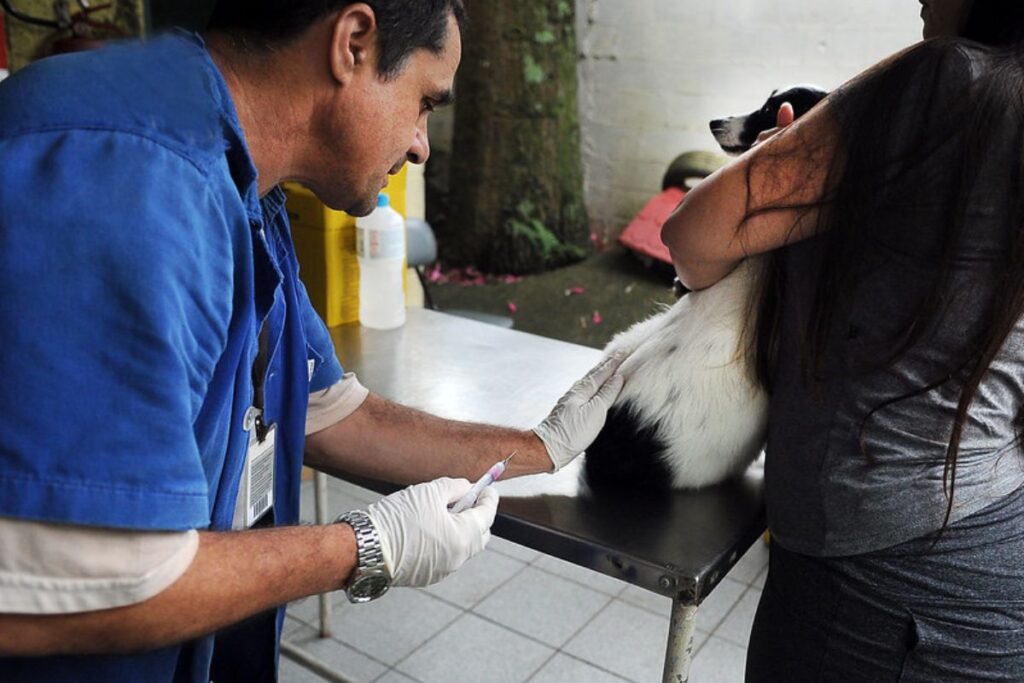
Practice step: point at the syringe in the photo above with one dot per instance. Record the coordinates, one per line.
(492, 475)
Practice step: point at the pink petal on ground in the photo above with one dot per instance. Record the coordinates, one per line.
(596, 318)
(512, 307)
(575, 291)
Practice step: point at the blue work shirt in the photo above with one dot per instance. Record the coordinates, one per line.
(137, 263)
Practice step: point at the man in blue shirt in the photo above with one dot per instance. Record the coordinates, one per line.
(165, 377)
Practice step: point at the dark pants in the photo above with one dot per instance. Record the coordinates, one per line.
(810, 627)
(954, 612)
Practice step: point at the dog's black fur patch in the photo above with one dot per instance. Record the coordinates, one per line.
(802, 97)
(626, 456)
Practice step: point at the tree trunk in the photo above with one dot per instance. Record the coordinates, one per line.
(516, 189)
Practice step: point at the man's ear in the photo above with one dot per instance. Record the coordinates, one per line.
(353, 41)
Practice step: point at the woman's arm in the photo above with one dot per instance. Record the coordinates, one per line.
(760, 202)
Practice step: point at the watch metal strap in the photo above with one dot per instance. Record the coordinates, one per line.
(370, 555)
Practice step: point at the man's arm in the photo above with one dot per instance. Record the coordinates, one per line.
(240, 573)
(389, 442)
(233, 576)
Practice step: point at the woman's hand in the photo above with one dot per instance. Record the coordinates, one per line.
(783, 118)
(762, 201)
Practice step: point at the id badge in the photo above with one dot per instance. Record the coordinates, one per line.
(256, 489)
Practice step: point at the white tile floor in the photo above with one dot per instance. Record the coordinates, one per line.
(513, 615)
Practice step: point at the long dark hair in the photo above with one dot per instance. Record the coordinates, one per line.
(995, 22)
(883, 148)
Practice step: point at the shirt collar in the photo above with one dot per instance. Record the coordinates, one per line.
(272, 204)
(240, 163)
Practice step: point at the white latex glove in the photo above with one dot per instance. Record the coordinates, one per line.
(578, 416)
(422, 541)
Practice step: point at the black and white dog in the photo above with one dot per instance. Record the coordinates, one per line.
(736, 134)
(691, 412)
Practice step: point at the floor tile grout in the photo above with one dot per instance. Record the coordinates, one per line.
(332, 638)
(555, 650)
(429, 639)
(615, 593)
(540, 668)
(750, 589)
(625, 585)
(464, 611)
(592, 665)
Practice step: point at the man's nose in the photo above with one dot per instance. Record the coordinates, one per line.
(420, 150)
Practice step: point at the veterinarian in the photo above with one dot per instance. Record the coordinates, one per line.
(891, 341)
(159, 350)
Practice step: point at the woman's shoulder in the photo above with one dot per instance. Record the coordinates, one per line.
(944, 61)
(917, 86)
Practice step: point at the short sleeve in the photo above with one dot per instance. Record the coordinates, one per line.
(61, 569)
(116, 281)
(333, 404)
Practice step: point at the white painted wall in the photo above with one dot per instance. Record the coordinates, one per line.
(654, 72)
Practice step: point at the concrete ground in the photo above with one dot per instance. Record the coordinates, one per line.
(615, 285)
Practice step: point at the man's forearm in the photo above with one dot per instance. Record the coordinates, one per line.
(233, 576)
(385, 441)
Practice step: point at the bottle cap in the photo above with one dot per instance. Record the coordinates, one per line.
(383, 200)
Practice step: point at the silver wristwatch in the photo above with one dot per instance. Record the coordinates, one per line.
(371, 578)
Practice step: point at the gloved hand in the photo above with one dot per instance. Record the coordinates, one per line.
(579, 415)
(422, 541)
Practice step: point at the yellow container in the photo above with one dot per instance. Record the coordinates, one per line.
(325, 244)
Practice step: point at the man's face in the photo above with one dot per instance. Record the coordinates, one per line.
(944, 17)
(380, 124)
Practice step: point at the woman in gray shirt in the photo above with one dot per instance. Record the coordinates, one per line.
(891, 341)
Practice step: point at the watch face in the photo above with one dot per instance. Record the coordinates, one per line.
(368, 586)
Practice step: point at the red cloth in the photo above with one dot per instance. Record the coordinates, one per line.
(3, 43)
(643, 234)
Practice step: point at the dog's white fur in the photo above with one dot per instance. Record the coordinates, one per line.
(690, 376)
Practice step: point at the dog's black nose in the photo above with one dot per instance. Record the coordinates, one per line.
(718, 124)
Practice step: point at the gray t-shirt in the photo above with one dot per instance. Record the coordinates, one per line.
(856, 453)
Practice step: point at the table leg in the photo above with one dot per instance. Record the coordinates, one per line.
(293, 652)
(680, 642)
(303, 658)
(320, 501)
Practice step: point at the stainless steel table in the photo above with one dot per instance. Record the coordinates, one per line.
(679, 544)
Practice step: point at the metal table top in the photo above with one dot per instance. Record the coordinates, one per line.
(679, 544)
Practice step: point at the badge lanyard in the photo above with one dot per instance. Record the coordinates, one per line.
(259, 372)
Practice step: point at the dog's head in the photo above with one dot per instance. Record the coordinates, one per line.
(736, 134)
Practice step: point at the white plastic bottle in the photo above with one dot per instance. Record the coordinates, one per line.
(380, 247)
